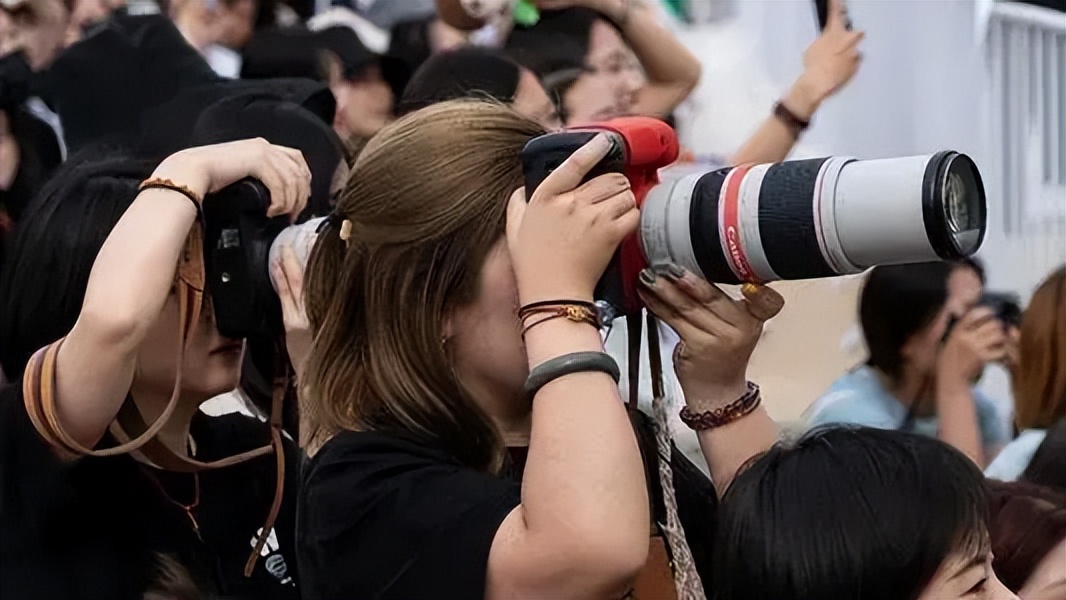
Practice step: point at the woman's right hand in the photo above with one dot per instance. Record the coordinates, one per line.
(561, 241)
(208, 169)
(976, 340)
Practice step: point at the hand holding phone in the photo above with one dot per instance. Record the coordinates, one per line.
(832, 59)
(825, 9)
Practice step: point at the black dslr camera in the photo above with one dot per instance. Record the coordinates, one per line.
(237, 241)
(1006, 307)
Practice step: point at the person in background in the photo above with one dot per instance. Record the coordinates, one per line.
(220, 29)
(32, 35)
(1027, 527)
(581, 50)
(584, 56)
(857, 513)
(473, 72)
(416, 39)
(927, 346)
(1039, 378)
(364, 84)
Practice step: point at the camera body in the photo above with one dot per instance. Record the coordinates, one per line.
(237, 241)
(640, 147)
(1006, 306)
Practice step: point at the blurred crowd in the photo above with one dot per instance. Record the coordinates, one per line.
(325, 214)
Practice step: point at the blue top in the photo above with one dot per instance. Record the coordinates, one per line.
(859, 398)
(1016, 456)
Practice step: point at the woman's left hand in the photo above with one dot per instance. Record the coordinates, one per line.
(288, 276)
(718, 334)
(829, 63)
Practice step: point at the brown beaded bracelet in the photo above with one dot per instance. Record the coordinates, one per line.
(166, 184)
(724, 415)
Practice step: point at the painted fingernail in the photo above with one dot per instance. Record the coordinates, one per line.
(669, 271)
(647, 277)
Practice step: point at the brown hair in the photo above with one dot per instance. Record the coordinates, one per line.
(427, 201)
(1026, 522)
(1040, 383)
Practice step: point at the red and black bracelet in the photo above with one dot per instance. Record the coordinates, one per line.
(724, 415)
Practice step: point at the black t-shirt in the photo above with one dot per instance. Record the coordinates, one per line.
(94, 528)
(381, 516)
(385, 517)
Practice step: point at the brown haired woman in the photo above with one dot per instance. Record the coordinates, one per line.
(1039, 391)
(419, 375)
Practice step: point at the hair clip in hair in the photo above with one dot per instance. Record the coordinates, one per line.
(346, 231)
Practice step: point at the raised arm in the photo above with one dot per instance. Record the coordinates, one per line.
(977, 339)
(581, 530)
(718, 336)
(132, 277)
(829, 64)
(672, 71)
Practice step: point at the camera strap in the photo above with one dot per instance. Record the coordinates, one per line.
(128, 428)
(669, 572)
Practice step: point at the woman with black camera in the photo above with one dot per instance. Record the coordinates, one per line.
(95, 264)
(928, 343)
(467, 435)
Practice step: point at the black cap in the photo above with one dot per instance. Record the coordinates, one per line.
(296, 52)
(136, 81)
(355, 57)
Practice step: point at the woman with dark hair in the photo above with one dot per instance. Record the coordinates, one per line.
(584, 55)
(95, 265)
(863, 514)
(473, 72)
(466, 432)
(927, 347)
(581, 50)
(1028, 531)
(1039, 379)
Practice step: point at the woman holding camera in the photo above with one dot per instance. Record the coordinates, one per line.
(450, 330)
(928, 342)
(95, 264)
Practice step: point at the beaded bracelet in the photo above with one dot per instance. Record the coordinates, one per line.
(166, 184)
(724, 415)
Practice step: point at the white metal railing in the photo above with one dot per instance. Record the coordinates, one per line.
(1026, 51)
